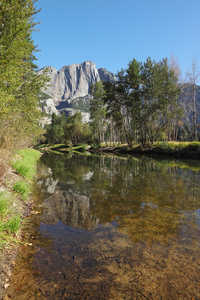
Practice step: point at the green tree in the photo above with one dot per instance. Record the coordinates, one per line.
(143, 101)
(99, 123)
(133, 78)
(19, 83)
(55, 132)
(159, 94)
(76, 131)
(118, 105)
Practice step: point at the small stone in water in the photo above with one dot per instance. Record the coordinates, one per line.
(6, 285)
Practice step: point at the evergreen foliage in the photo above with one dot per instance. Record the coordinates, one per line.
(77, 132)
(70, 130)
(19, 83)
(55, 133)
(141, 104)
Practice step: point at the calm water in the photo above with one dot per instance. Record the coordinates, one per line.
(111, 228)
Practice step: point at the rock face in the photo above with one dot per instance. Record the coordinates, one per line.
(49, 106)
(72, 83)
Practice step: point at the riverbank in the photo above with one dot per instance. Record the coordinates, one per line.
(186, 150)
(15, 206)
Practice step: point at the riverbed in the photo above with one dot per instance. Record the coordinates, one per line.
(108, 227)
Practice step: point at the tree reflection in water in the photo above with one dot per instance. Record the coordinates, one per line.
(112, 228)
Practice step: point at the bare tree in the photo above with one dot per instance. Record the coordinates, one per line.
(175, 108)
(193, 77)
(174, 65)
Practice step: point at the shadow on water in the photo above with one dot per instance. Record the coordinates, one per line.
(111, 228)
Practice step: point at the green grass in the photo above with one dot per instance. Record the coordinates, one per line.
(22, 188)
(186, 150)
(26, 166)
(5, 202)
(59, 146)
(13, 224)
(183, 149)
(80, 148)
(178, 145)
(9, 223)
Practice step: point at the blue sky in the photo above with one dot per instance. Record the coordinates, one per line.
(112, 32)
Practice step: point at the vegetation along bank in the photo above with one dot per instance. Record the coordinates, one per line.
(15, 207)
(186, 150)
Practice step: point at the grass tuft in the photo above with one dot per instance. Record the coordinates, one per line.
(9, 223)
(4, 204)
(22, 188)
(6, 241)
(26, 166)
(13, 224)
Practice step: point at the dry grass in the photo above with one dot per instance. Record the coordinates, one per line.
(5, 156)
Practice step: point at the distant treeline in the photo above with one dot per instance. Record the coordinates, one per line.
(142, 106)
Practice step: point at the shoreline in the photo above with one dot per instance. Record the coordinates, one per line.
(21, 204)
(180, 150)
(172, 150)
(9, 254)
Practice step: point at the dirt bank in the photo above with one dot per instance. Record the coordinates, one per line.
(8, 256)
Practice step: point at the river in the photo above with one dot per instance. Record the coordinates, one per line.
(108, 227)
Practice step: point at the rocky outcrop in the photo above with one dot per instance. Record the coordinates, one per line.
(71, 83)
(49, 106)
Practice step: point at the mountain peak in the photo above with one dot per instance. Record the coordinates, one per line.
(73, 81)
(68, 88)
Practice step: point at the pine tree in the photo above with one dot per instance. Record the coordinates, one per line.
(19, 82)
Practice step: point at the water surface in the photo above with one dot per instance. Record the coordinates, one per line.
(111, 228)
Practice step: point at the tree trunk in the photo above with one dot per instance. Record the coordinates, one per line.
(194, 113)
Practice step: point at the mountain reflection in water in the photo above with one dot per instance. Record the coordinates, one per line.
(112, 228)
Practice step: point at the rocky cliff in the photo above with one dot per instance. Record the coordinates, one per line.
(70, 86)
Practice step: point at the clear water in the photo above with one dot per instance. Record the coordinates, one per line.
(111, 228)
